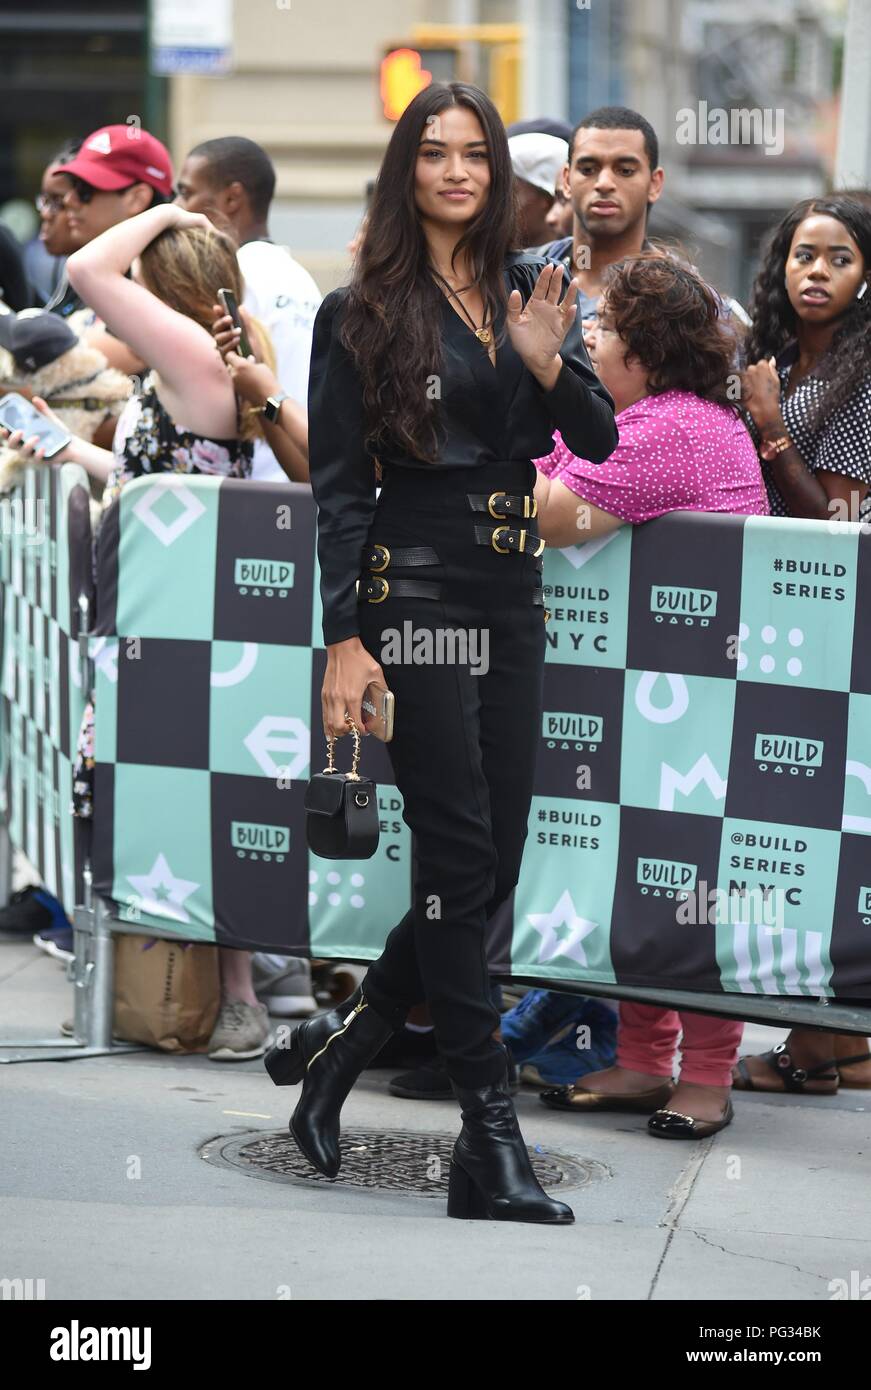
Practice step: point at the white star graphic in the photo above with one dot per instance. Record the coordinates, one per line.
(176, 890)
(563, 914)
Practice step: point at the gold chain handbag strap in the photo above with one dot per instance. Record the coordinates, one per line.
(331, 751)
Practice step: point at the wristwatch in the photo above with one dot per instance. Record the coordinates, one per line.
(770, 448)
(272, 408)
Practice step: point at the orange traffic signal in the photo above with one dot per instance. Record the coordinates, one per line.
(402, 77)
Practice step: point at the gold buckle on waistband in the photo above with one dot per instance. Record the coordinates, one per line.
(527, 501)
(378, 568)
(381, 597)
(523, 533)
(490, 501)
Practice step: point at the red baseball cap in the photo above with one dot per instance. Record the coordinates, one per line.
(115, 156)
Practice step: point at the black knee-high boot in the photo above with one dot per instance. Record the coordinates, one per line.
(491, 1174)
(327, 1053)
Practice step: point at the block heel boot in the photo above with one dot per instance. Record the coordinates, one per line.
(327, 1053)
(491, 1174)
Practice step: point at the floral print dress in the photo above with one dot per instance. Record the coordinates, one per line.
(147, 441)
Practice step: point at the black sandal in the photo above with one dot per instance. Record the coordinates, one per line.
(779, 1059)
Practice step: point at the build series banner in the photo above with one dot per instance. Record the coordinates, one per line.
(702, 807)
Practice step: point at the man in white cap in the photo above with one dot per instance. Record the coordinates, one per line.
(538, 161)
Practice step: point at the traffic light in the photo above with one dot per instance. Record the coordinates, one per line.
(402, 77)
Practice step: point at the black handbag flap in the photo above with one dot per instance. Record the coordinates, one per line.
(324, 793)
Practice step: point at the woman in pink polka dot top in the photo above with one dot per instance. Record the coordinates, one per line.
(667, 357)
(662, 349)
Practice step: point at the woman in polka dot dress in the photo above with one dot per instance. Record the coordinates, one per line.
(808, 397)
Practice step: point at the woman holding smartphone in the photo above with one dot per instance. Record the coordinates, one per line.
(448, 362)
(186, 418)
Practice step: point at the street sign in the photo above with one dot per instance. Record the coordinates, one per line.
(194, 39)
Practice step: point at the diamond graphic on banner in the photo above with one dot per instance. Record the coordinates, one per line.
(279, 732)
(562, 917)
(161, 893)
(578, 555)
(191, 510)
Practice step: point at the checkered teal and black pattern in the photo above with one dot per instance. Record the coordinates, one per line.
(706, 726)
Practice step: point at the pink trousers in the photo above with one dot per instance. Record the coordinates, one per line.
(647, 1038)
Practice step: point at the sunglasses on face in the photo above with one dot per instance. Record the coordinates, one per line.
(85, 191)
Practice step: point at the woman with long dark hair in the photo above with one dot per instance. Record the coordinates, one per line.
(808, 395)
(807, 390)
(450, 360)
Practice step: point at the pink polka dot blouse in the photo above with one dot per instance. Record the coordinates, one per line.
(676, 452)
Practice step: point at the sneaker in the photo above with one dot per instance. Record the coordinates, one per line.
(431, 1082)
(31, 910)
(283, 984)
(57, 942)
(241, 1031)
(562, 1062)
(538, 1018)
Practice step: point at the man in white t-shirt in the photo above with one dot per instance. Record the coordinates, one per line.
(234, 179)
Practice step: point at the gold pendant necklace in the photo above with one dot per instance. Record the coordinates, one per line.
(483, 333)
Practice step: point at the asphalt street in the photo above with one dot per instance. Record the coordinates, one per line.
(116, 1184)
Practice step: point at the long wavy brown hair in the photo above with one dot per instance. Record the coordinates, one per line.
(671, 321)
(393, 312)
(185, 267)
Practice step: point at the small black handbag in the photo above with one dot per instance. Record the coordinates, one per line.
(341, 809)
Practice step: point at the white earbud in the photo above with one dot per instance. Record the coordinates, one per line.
(861, 294)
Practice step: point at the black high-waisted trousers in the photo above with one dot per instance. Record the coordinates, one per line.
(463, 748)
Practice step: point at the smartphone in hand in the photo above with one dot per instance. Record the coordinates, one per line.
(378, 706)
(230, 306)
(17, 413)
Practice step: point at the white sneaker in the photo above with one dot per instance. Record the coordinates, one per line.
(283, 984)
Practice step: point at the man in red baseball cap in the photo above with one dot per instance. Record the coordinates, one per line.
(119, 171)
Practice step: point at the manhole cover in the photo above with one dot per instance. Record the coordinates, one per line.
(392, 1160)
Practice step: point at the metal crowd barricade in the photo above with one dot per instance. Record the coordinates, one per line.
(46, 598)
(707, 693)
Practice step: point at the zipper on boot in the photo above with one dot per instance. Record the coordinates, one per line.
(339, 1031)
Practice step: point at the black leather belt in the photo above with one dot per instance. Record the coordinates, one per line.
(378, 557)
(507, 538)
(499, 504)
(376, 588)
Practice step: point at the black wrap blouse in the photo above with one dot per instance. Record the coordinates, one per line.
(487, 414)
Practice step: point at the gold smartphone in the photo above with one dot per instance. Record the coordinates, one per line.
(378, 706)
